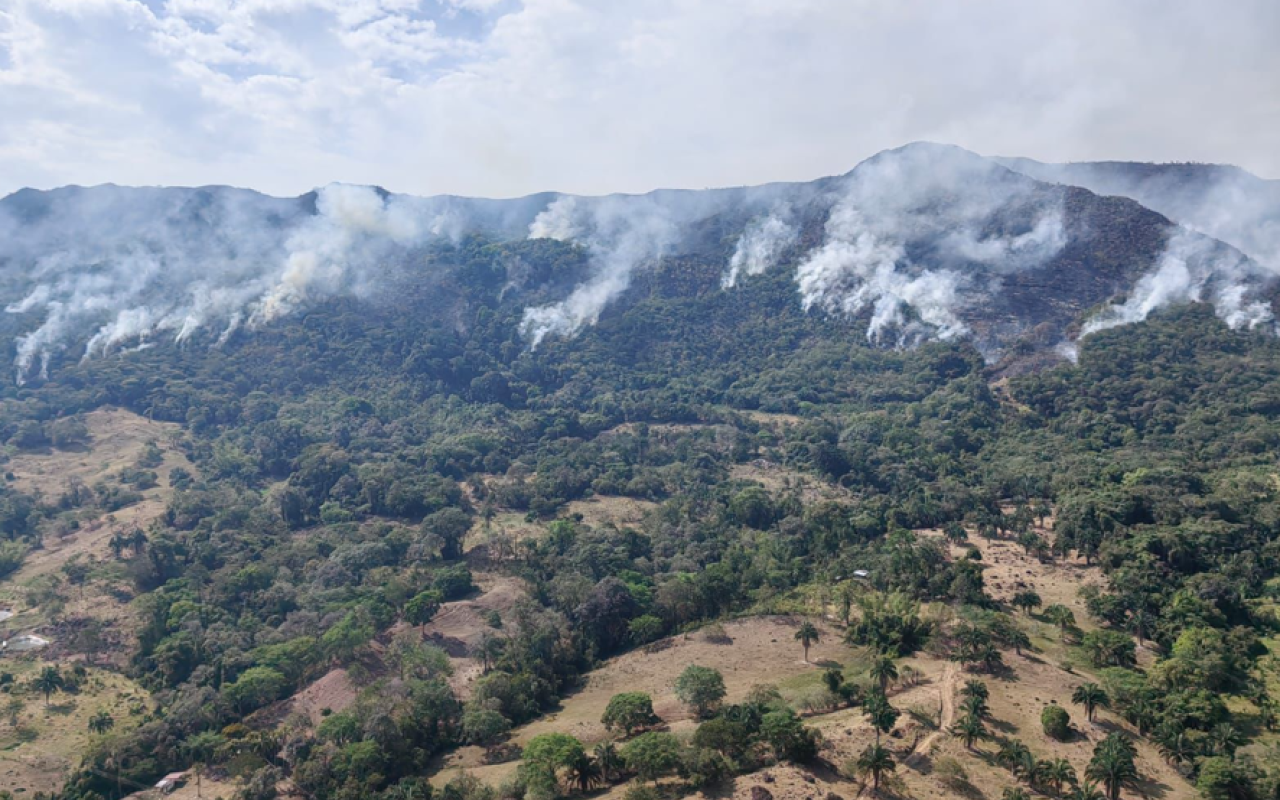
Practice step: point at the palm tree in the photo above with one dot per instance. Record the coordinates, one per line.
(101, 722)
(807, 635)
(847, 601)
(1011, 754)
(1112, 764)
(1059, 773)
(1223, 740)
(138, 541)
(1092, 697)
(1018, 640)
(874, 761)
(1176, 746)
(975, 706)
(975, 688)
(879, 713)
(833, 678)
(1061, 616)
(584, 772)
(1140, 623)
(1026, 767)
(884, 670)
(1140, 712)
(49, 681)
(118, 543)
(1086, 791)
(969, 729)
(1026, 600)
(609, 760)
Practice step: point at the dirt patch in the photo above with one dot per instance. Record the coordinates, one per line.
(333, 692)
(605, 510)
(777, 478)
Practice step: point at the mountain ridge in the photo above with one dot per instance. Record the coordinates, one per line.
(922, 241)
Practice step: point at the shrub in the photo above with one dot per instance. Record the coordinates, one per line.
(1056, 722)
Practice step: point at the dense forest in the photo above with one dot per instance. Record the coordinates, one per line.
(349, 462)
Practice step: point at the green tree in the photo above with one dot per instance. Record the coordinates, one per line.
(547, 753)
(787, 735)
(652, 755)
(807, 635)
(421, 608)
(484, 726)
(629, 712)
(255, 687)
(700, 688)
(1221, 778)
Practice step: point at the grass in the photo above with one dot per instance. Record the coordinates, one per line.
(35, 754)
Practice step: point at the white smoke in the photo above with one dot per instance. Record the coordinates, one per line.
(916, 234)
(115, 271)
(320, 252)
(1193, 269)
(1011, 253)
(760, 246)
(855, 270)
(621, 234)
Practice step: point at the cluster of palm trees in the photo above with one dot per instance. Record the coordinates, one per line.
(602, 767)
(1181, 747)
(971, 726)
(1111, 768)
(876, 761)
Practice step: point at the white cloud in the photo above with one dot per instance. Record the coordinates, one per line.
(504, 97)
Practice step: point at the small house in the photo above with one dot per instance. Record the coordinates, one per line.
(171, 781)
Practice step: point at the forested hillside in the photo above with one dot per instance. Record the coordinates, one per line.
(334, 552)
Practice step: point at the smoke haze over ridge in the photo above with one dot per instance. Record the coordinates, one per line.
(919, 241)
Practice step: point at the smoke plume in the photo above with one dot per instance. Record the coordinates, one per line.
(1194, 269)
(621, 233)
(117, 268)
(760, 246)
(916, 234)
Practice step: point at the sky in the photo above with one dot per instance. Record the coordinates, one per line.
(508, 97)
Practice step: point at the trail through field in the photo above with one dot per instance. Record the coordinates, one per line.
(947, 686)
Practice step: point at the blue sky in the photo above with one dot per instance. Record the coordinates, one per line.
(506, 97)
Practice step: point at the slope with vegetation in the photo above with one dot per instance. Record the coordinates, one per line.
(362, 478)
